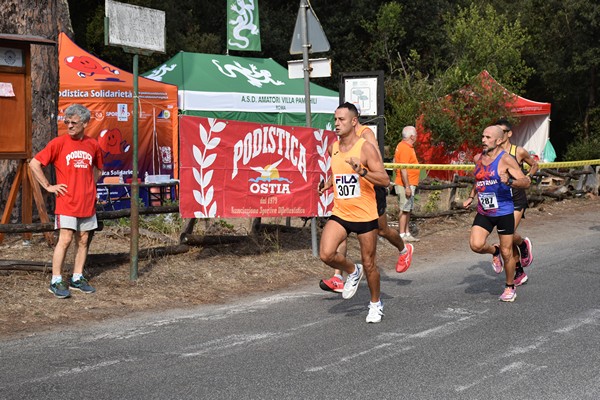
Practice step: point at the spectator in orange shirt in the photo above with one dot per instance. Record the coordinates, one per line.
(406, 180)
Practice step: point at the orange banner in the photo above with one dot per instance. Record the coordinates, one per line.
(108, 93)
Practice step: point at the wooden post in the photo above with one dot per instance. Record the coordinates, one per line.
(29, 187)
(12, 198)
(452, 195)
(26, 198)
(41, 206)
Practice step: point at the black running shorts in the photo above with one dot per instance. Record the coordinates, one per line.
(505, 224)
(356, 227)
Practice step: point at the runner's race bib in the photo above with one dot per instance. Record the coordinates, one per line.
(488, 201)
(347, 186)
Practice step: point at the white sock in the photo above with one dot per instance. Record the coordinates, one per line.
(340, 277)
(377, 304)
(77, 277)
(404, 250)
(55, 279)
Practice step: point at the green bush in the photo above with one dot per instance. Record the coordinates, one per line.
(168, 224)
(583, 150)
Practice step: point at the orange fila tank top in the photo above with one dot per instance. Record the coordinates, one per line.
(354, 196)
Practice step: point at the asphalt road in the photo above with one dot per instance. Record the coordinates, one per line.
(444, 336)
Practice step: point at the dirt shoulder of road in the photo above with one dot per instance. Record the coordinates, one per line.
(274, 260)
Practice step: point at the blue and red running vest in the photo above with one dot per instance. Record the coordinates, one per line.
(495, 198)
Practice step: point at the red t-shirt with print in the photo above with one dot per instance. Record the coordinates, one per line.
(74, 161)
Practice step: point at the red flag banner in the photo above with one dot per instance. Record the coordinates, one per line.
(234, 169)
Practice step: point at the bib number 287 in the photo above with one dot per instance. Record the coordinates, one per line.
(488, 201)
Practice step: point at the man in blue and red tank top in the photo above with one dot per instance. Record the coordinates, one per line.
(496, 173)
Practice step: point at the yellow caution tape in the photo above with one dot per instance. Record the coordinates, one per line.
(470, 167)
(438, 167)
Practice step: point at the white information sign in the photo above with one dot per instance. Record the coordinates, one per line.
(135, 27)
(318, 68)
(363, 93)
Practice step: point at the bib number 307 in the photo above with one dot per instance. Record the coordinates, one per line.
(347, 186)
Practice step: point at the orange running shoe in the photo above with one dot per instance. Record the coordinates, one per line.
(333, 284)
(404, 260)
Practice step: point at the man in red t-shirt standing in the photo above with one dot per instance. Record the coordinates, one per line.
(77, 160)
(406, 180)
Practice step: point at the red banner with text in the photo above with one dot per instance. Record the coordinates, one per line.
(234, 169)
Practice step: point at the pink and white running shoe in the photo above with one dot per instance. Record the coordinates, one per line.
(498, 261)
(527, 255)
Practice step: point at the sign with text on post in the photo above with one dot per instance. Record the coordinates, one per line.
(138, 30)
(134, 27)
(318, 68)
(234, 169)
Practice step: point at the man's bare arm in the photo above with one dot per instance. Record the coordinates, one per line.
(97, 174)
(371, 159)
(510, 166)
(38, 173)
(529, 160)
(369, 136)
(473, 193)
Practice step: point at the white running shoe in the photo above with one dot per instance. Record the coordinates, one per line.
(375, 312)
(352, 281)
(410, 238)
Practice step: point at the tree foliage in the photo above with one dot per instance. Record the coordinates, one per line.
(457, 104)
(407, 89)
(387, 27)
(566, 56)
(541, 49)
(586, 146)
(461, 116)
(480, 38)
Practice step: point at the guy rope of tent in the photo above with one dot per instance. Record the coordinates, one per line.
(469, 167)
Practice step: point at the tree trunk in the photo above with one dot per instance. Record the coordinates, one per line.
(590, 106)
(45, 19)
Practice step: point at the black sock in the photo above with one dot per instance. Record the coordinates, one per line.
(519, 270)
(523, 248)
(510, 286)
(497, 252)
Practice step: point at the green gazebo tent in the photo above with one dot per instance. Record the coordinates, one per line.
(243, 89)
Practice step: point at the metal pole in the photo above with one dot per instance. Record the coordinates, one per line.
(135, 187)
(305, 48)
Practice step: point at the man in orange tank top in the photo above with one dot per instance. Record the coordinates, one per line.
(356, 168)
(336, 282)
